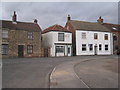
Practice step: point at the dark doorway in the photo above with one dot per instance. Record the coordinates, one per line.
(46, 52)
(95, 50)
(20, 50)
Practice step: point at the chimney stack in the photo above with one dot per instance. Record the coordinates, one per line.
(35, 21)
(100, 20)
(14, 17)
(69, 18)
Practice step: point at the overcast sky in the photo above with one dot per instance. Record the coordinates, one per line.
(50, 13)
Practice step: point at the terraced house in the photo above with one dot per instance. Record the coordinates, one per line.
(20, 39)
(93, 38)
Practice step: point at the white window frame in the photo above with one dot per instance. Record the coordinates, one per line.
(61, 38)
(83, 35)
(106, 47)
(84, 47)
(30, 35)
(4, 49)
(4, 33)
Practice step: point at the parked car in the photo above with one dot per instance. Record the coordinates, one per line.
(118, 52)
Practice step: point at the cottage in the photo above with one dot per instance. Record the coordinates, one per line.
(20, 39)
(90, 38)
(58, 39)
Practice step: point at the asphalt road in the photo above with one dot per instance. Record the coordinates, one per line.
(99, 73)
(33, 72)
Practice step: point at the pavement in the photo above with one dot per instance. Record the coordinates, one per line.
(86, 73)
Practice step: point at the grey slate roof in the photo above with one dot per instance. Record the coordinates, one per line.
(93, 26)
(20, 26)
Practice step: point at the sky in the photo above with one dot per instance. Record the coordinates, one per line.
(51, 13)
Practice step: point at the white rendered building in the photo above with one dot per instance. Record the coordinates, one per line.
(58, 39)
(94, 43)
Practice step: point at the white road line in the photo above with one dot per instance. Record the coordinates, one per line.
(52, 73)
(82, 81)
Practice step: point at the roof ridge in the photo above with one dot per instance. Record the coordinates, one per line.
(18, 21)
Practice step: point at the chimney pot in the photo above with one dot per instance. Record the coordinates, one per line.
(69, 18)
(35, 21)
(100, 20)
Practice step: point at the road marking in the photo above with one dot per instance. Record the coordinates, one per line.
(52, 73)
(82, 81)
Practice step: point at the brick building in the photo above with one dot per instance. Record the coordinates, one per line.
(20, 39)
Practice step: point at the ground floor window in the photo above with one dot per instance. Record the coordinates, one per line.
(29, 49)
(100, 47)
(106, 47)
(83, 47)
(4, 49)
(59, 49)
(91, 47)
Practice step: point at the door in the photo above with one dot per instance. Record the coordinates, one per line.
(20, 50)
(95, 50)
(69, 51)
(46, 52)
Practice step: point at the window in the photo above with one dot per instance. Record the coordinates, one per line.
(106, 36)
(60, 36)
(106, 47)
(91, 47)
(4, 34)
(59, 49)
(114, 38)
(30, 49)
(4, 49)
(95, 36)
(83, 47)
(30, 35)
(68, 50)
(100, 47)
(83, 35)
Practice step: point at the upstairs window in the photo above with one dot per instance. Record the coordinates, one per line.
(4, 34)
(83, 47)
(95, 36)
(60, 36)
(106, 37)
(30, 35)
(83, 35)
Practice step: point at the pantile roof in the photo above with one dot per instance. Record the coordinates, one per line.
(20, 26)
(55, 28)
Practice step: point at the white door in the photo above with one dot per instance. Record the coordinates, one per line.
(69, 51)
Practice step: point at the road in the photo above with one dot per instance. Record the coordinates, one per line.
(34, 72)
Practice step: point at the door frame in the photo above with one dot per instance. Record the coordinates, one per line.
(95, 50)
(21, 51)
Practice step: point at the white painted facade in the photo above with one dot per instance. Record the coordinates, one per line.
(50, 40)
(95, 43)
